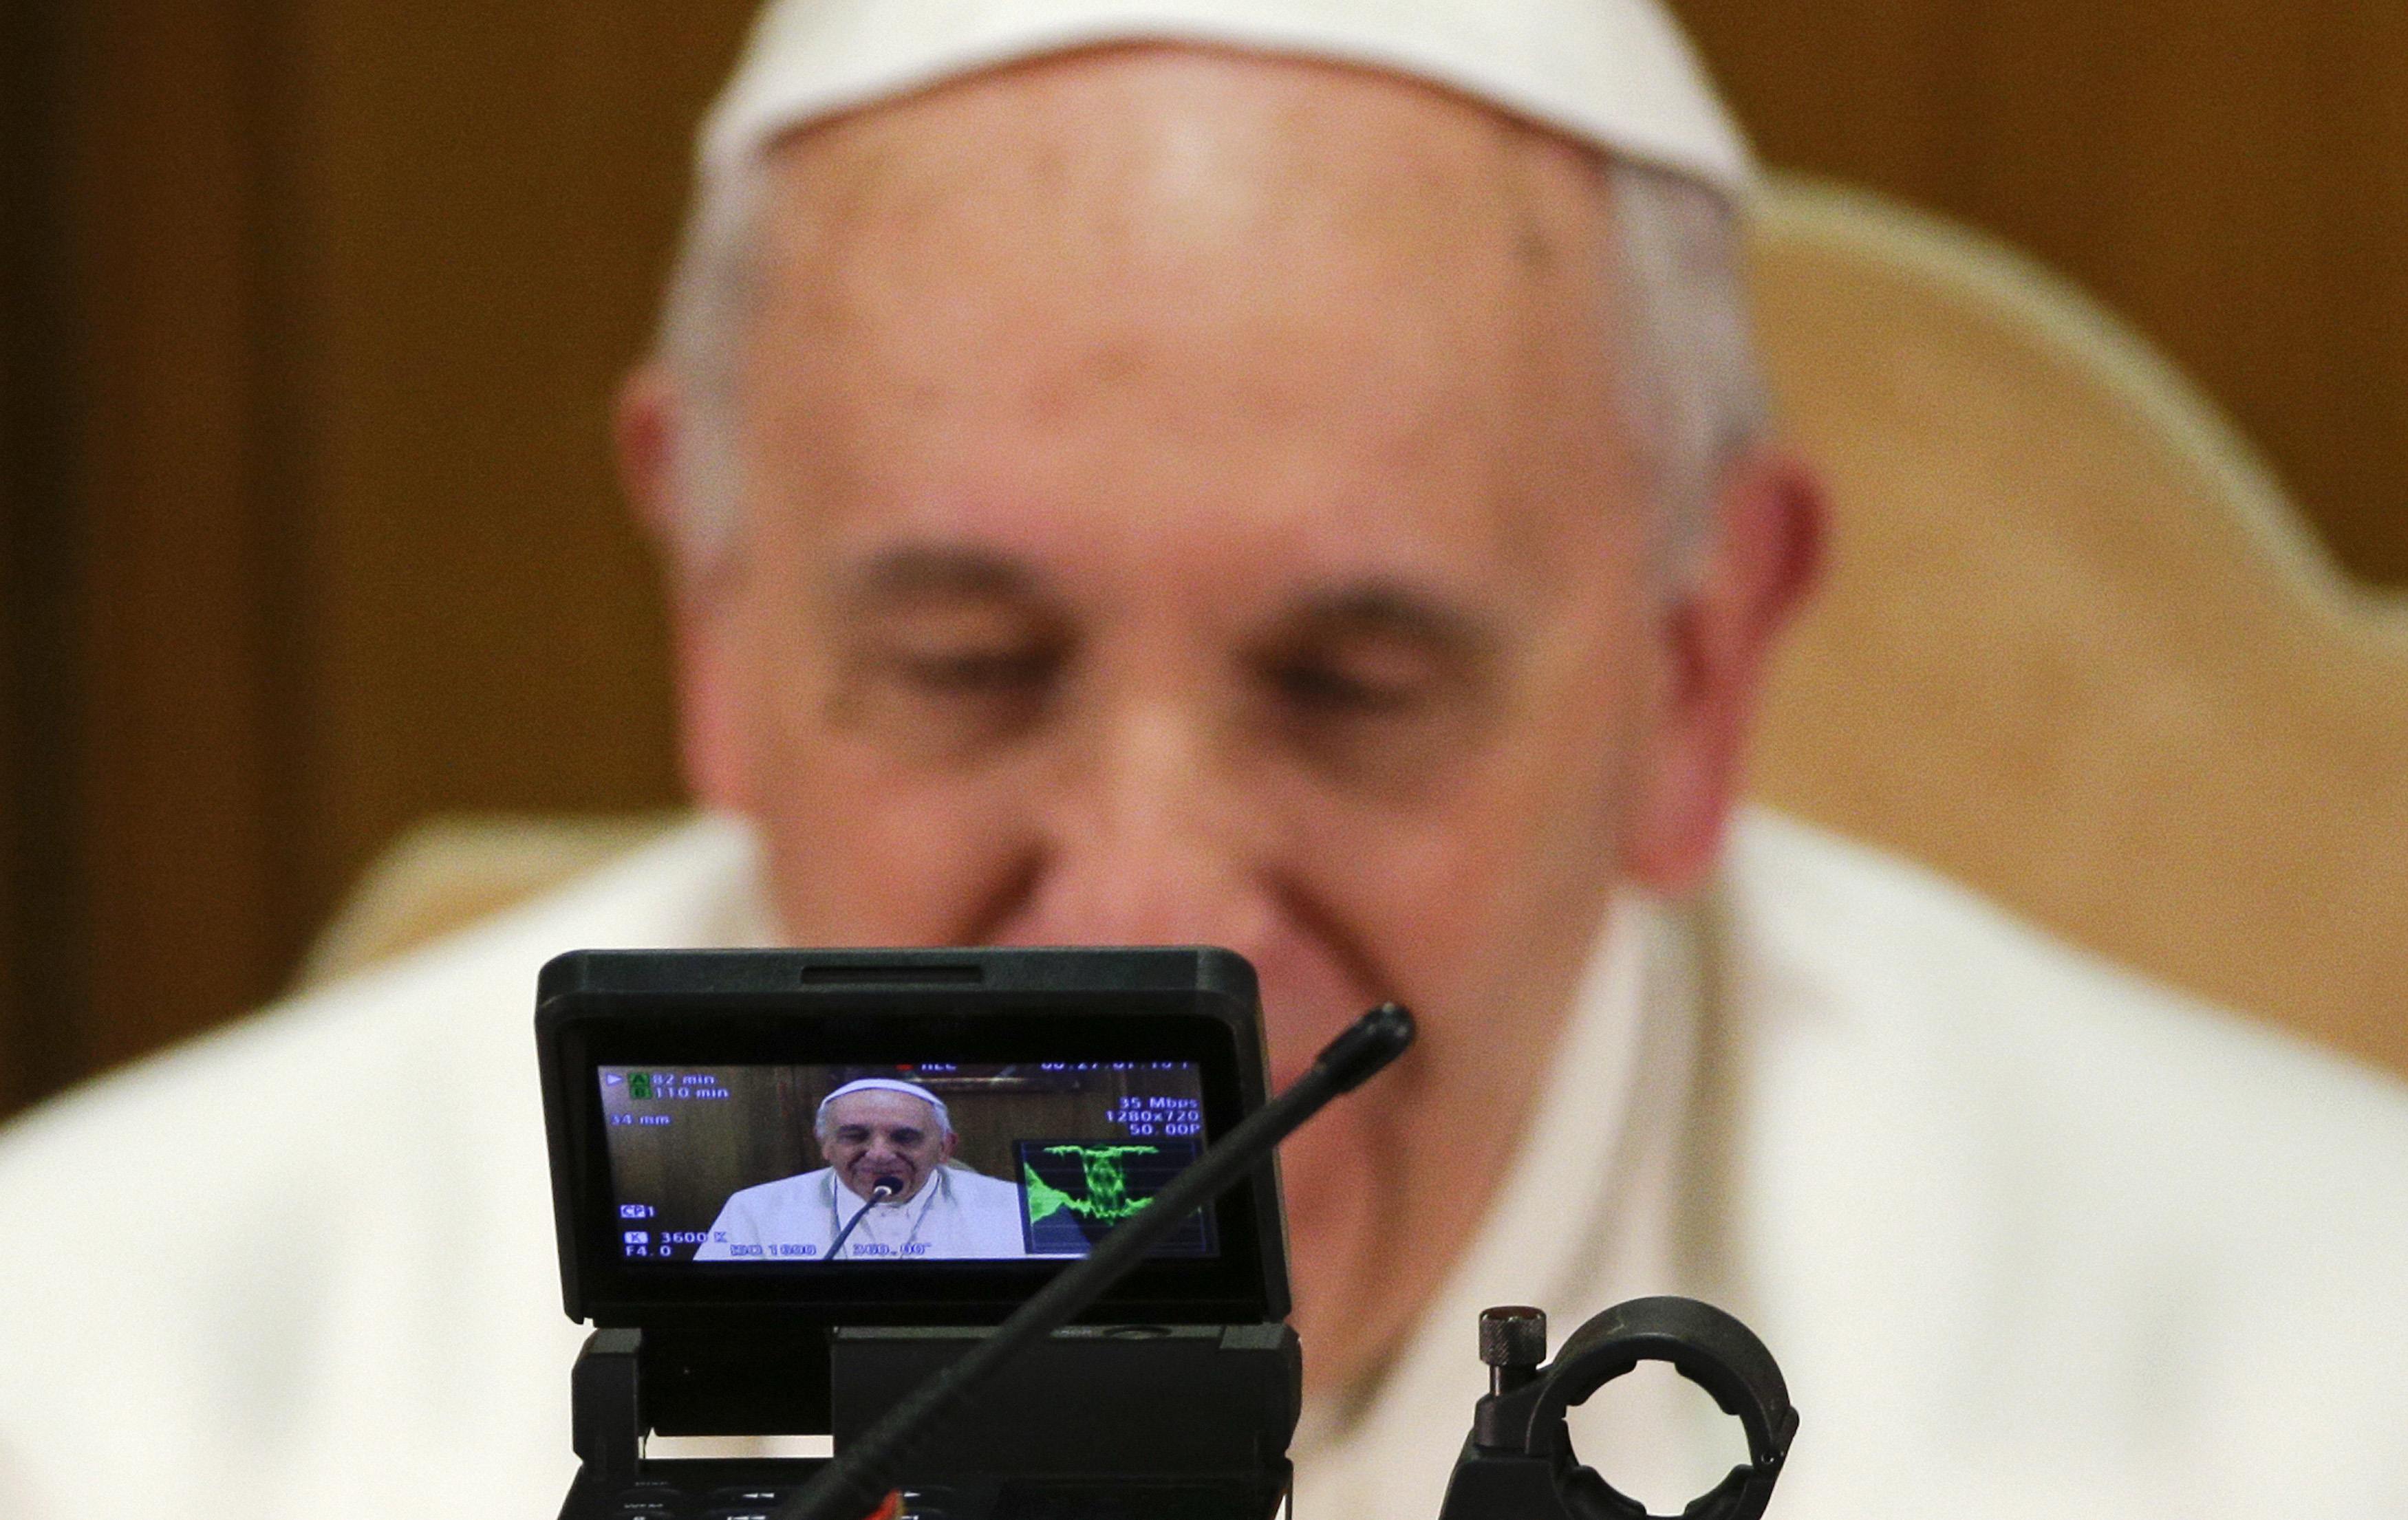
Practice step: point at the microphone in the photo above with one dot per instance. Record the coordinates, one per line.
(858, 1481)
(880, 1191)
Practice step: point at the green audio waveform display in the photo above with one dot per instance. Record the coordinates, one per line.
(1108, 1199)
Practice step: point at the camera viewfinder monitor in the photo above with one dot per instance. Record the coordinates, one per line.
(800, 1137)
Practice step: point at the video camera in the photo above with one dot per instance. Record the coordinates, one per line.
(1005, 1225)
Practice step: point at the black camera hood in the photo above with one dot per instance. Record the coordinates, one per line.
(686, 1008)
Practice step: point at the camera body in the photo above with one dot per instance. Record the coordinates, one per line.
(789, 1185)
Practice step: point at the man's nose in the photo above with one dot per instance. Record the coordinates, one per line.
(1150, 838)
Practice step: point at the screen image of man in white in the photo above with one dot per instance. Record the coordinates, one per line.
(889, 1146)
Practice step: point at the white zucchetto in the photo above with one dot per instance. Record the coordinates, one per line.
(1614, 73)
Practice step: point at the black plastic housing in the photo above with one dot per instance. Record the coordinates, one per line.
(689, 1007)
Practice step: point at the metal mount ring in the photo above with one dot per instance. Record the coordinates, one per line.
(1711, 1350)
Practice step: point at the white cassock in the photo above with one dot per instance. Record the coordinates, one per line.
(2031, 1237)
(959, 1214)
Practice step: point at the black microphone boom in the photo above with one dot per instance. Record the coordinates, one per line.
(862, 1475)
(880, 1191)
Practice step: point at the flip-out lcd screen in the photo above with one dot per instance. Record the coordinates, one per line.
(799, 1165)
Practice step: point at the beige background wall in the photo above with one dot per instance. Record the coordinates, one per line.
(312, 310)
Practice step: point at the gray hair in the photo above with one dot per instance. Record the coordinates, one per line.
(1697, 401)
(1695, 391)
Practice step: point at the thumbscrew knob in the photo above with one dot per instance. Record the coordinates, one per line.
(1512, 1341)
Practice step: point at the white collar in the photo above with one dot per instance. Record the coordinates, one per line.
(1587, 1216)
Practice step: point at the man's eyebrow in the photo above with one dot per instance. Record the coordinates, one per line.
(1390, 609)
(915, 571)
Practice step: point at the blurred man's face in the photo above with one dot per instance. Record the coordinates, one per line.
(1188, 500)
(868, 1135)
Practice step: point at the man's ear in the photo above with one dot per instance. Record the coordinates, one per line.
(648, 429)
(644, 431)
(1718, 630)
